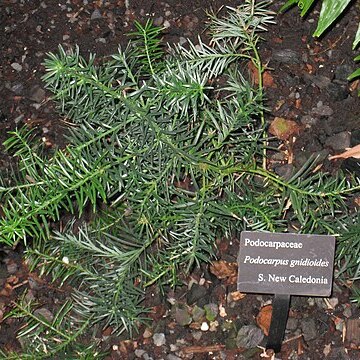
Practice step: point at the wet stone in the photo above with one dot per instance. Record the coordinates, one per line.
(211, 311)
(339, 141)
(338, 353)
(100, 40)
(347, 312)
(166, 24)
(139, 353)
(320, 81)
(45, 314)
(158, 21)
(310, 331)
(323, 110)
(147, 333)
(160, 326)
(12, 268)
(337, 92)
(182, 40)
(286, 56)
(16, 66)
(33, 284)
(320, 303)
(308, 120)
(197, 335)
(18, 89)
(198, 313)
(96, 14)
(30, 296)
(298, 302)
(197, 294)
(182, 317)
(190, 22)
(159, 339)
(249, 336)
(292, 324)
(19, 118)
(333, 302)
(172, 357)
(290, 81)
(342, 72)
(37, 94)
(285, 171)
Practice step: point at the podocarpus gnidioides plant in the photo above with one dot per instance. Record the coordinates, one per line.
(166, 151)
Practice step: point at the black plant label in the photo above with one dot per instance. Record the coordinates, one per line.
(281, 263)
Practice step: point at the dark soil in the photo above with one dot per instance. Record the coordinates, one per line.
(307, 84)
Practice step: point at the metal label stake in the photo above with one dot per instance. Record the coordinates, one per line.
(280, 311)
(285, 264)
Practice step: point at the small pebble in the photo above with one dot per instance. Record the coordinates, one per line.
(323, 110)
(159, 339)
(147, 333)
(182, 316)
(37, 94)
(19, 118)
(17, 88)
(172, 357)
(197, 313)
(45, 314)
(197, 335)
(292, 324)
(174, 347)
(16, 66)
(308, 120)
(100, 40)
(286, 56)
(339, 141)
(249, 336)
(213, 325)
(222, 311)
(12, 268)
(309, 329)
(311, 301)
(139, 353)
(30, 296)
(182, 40)
(158, 21)
(96, 15)
(211, 311)
(332, 303)
(204, 326)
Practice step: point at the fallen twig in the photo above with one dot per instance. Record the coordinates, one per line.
(203, 349)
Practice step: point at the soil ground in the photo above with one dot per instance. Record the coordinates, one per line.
(306, 83)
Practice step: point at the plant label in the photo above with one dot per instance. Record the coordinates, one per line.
(274, 263)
